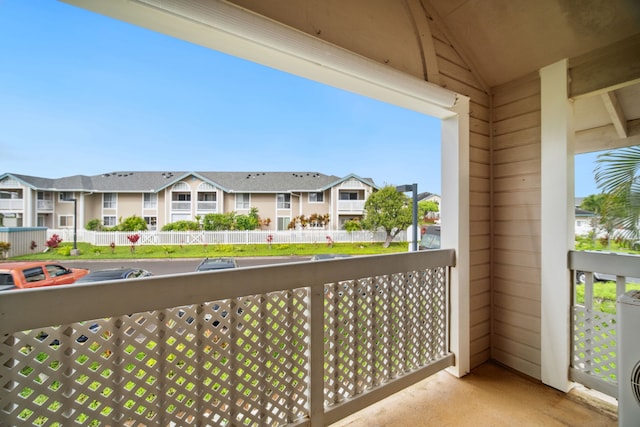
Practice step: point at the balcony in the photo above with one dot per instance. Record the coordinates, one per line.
(180, 206)
(295, 344)
(11, 205)
(351, 206)
(207, 207)
(44, 205)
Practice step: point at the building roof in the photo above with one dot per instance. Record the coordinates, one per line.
(234, 182)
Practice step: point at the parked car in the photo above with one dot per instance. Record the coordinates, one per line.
(34, 274)
(115, 274)
(211, 264)
(602, 277)
(430, 238)
(321, 257)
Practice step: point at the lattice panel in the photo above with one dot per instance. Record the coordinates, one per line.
(380, 328)
(228, 363)
(594, 349)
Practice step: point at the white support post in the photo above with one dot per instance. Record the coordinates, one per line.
(557, 164)
(455, 228)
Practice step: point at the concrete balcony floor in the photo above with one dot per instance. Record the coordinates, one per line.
(490, 395)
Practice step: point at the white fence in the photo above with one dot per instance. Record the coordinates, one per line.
(105, 238)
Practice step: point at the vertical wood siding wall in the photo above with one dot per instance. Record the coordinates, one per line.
(516, 225)
(455, 75)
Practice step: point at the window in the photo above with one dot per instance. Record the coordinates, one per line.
(284, 201)
(348, 195)
(34, 274)
(150, 200)
(206, 197)
(316, 197)
(56, 270)
(65, 196)
(181, 197)
(109, 201)
(109, 221)
(243, 201)
(152, 222)
(65, 221)
(283, 223)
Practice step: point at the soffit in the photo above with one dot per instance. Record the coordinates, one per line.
(507, 39)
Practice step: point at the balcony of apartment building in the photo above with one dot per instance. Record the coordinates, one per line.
(360, 341)
(207, 203)
(11, 201)
(44, 202)
(351, 202)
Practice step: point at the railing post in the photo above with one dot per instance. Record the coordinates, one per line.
(316, 380)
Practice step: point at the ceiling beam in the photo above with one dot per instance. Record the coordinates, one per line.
(430, 60)
(606, 138)
(607, 68)
(616, 113)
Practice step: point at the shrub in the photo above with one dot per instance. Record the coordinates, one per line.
(219, 221)
(94, 225)
(132, 223)
(182, 226)
(64, 250)
(353, 225)
(54, 241)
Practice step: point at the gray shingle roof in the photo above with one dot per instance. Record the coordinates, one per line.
(238, 182)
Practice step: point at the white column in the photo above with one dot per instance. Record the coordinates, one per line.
(557, 224)
(455, 227)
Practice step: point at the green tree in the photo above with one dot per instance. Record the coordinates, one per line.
(427, 206)
(389, 210)
(618, 175)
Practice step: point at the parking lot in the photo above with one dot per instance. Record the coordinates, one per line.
(161, 267)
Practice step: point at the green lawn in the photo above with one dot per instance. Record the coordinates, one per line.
(90, 252)
(604, 295)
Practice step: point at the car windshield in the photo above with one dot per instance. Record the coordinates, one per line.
(216, 264)
(431, 238)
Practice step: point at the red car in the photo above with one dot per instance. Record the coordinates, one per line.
(33, 274)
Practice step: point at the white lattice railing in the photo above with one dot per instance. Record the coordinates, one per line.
(291, 344)
(594, 348)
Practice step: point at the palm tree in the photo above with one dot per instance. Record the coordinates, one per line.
(618, 174)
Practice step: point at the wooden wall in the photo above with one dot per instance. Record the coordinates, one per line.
(457, 76)
(516, 224)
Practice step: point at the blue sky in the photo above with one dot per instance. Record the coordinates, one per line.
(85, 94)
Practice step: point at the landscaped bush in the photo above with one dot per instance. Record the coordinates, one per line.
(132, 223)
(94, 225)
(182, 226)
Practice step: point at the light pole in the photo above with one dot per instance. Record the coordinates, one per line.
(75, 224)
(413, 188)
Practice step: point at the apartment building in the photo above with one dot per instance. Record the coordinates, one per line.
(164, 197)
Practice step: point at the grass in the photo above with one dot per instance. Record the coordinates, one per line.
(604, 295)
(90, 252)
